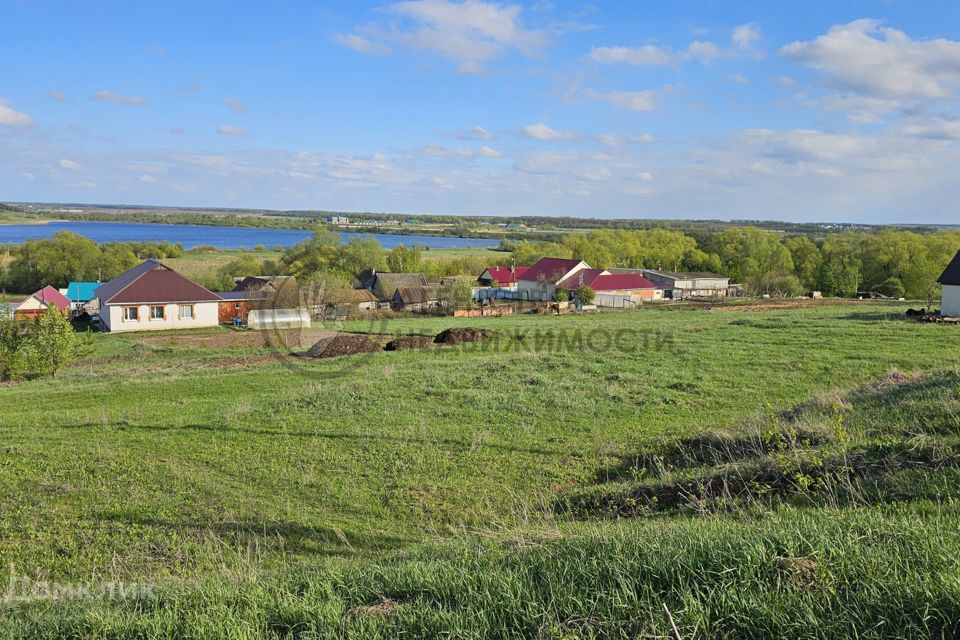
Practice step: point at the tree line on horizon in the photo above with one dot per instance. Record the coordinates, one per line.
(893, 262)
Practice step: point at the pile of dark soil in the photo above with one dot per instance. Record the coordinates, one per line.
(341, 345)
(409, 342)
(462, 334)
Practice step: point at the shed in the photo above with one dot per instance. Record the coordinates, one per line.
(950, 279)
(279, 319)
(419, 298)
(38, 303)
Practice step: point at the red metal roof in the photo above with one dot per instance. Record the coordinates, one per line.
(150, 282)
(49, 295)
(502, 275)
(549, 269)
(582, 277)
(618, 281)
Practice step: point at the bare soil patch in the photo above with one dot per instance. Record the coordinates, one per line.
(230, 339)
(463, 334)
(342, 345)
(409, 342)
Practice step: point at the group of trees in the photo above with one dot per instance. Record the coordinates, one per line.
(67, 256)
(36, 347)
(893, 262)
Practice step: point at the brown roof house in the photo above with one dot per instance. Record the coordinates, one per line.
(153, 296)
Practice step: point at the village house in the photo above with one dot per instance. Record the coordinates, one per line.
(627, 285)
(81, 295)
(950, 279)
(417, 299)
(38, 303)
(684, 286)
(540, 281)
(153, 296)
(502, 277)
(384, 284)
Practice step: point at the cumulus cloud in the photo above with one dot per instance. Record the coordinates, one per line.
(360, 43)
(616, 140)
(868, 58)
(147, 178)
(56, 96)
(70, 165)
(11, 118)
(488, 152)
(473, 133)
(704, 51)
(540, 131)
(745, 36)
(236, 105)
(632, 100)
(116, 98)
(468, 32)
(639, 56)
(228, 130)
(739, 78)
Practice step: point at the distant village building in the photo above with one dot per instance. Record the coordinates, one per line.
(416, 298)
(628, 285)
(540, 281)
(686, 285)
(503, 277)
(38, 303)
(338, 220)
(384, 284)
(81, 296)
(153, 296)
(950, 279)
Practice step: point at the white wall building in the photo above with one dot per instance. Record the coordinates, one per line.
(950, 302)
(152, 296)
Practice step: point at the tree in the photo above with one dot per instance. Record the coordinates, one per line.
(750, 252)
(806, 258)
(51, 343)
(585, 294)
(402, 259)
(561, 295)
(458, 294)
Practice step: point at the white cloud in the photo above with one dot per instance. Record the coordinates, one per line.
(540, 131)
(228, 130)
(70, 165)
(236, 105)
(632, 100)
(704, 51)
(739, 78)
(784, 82)
(56, 96)
(470, 68)
(473, 133)
(939, 129)
(616, 140)
(868, 58)
(645, 55)
(146, 178)
(488, 152)
(745, 36)
(84, 185)
(468, 32)
(11, 118)
(361, 44)
(116, 98)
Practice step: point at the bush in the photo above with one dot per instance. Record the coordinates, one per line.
(585, 294)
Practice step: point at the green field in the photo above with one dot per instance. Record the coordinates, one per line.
(559, 481)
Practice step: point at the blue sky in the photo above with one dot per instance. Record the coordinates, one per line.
(833, 111)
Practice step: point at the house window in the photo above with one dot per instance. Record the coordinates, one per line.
(156, 313)
(186, 312)
(131, 314)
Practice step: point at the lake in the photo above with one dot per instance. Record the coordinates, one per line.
(223, 237)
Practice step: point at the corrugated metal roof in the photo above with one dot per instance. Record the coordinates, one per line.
(152, 281)
(619, 281)
(49, 295)
(549, 269)
(81, 291)
(503, 275)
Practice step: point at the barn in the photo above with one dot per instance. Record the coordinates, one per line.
(950, 302)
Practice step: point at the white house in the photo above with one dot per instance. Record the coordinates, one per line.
(539, 282)
(153, 296)
(950, 303)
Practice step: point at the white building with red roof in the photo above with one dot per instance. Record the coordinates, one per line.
(540, 281)
(502, 277)
(38, 303)
(153, 296)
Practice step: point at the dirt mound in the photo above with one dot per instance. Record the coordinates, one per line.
(409, 342)
(462, 334)
(342, 345)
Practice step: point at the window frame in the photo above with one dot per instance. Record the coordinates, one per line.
(136, 313)
(163, 312)
(181, 309)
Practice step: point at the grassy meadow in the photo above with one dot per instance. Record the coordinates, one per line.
(785, 473)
